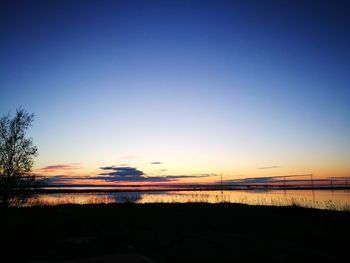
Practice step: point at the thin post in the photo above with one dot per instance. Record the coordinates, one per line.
(221, 180)
(312, 185)
(222, 192)
(332, 184)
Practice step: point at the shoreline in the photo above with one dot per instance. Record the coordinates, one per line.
(68, 189)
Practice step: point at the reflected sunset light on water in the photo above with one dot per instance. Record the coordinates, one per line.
(323, 199)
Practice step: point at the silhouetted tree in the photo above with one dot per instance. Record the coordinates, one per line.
(16, 159)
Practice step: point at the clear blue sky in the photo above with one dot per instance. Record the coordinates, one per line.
(198, 86)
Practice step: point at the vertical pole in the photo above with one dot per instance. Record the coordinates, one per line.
(312, 185)
(332, 185)
(221, 180)
(222, 192)
(284, 189)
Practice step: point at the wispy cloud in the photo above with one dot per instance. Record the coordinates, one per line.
(268, 167)
(172, 177)
(60, 167)
(155, 162)
(267, 179)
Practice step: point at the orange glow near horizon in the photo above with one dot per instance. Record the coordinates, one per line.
(80, 176)
(204, 170)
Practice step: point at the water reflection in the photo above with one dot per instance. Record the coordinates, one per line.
(324, 199)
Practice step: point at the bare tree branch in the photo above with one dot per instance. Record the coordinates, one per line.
(17, 154)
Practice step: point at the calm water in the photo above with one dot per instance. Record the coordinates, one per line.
(324, 199)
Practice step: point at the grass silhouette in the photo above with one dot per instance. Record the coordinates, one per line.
(197, 232)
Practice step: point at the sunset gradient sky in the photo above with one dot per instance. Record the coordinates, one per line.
(180, 88)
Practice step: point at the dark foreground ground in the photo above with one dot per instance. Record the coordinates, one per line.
(175, 233)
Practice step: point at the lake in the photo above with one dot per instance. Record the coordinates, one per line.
(323, 199)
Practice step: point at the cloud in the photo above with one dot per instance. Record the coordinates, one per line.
(188, 176)
(121, 171)
(113, 177)
(339, 177)
(123, 174)
(268, 179)
(59, 179)
(268, 167)
(130, 174)
(60, 167)
(155, 162)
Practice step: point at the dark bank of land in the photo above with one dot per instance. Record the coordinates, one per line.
(174, 233)
(52, 189)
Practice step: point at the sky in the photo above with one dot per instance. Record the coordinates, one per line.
(180, 91)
